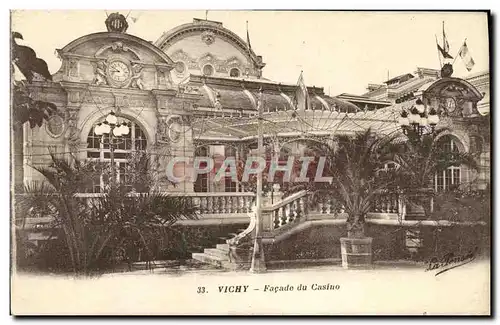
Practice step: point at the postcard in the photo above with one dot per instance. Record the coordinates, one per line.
(250, 162)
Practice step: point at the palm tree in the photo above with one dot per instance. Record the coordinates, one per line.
(25, 109)
(420, 158)
(93, 228)
(356, 165)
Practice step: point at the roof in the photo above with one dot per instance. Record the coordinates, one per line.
(290, 123)
(201, 25)
(240, 94)
(402, 77)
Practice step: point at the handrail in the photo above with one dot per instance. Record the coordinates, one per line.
(285, 201)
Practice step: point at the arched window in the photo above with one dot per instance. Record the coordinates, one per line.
(451, 176)
(234, 72)
(134, 141)
(208, 70)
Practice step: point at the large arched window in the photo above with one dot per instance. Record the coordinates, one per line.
(134, 141)
(451, 176)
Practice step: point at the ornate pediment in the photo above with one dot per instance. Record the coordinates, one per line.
(453, 97)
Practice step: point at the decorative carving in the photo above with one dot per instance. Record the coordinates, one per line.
(100, 74)
(55, 126)
(191, 89)
(117, 46)
(170, 128)
(116, 23)
(162, 130)
(73, 97)
(446, 70)
(73, 68)
(136, 80)
(220, 65)
(174, 131)
(208, 37)
(72, 132)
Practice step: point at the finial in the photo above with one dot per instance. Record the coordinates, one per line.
(116, 23)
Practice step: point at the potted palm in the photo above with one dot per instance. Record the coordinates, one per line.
(355, 164)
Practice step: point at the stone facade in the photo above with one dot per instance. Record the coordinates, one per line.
(170, 90)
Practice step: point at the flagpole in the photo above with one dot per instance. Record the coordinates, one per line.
(460, 49)
(439, 56)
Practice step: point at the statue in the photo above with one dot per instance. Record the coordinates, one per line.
(136, 80)
(100, 74)
(162, 131)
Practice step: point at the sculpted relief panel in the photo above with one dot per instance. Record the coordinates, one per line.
(119, 61)
(211, 65)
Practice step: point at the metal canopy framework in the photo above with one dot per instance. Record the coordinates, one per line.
(290, 123)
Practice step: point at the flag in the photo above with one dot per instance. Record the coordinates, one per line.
(445, 54)
(248, 38)
(446, 45)
(466, 57)
(302, 95)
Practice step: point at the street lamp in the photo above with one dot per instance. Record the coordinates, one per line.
(258, 263)
(112, 133)
(418, 120)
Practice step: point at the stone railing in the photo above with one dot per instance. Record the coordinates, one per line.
(213, 207)
(288, 211)
(222, 203)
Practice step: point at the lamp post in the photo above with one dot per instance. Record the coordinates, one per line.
(114, 132)
(258, 264)
(418, 120)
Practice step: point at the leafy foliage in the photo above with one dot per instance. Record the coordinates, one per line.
(419, 159)
(25, 107)
(98, 227)
(463, 205)
(356, 165)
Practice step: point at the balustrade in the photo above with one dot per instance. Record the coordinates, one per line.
(324, 203)
(221, 203)
(386, 202)
(287, 211)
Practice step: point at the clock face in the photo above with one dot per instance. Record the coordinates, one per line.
(450, 104)
(119, 71)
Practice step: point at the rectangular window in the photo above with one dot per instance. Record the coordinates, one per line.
(456, 176)
(229, 185)
(201, 184)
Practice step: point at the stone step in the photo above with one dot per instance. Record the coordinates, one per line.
(208, 259)
(223, 255)
(224, 247)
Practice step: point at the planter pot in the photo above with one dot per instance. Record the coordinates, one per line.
(356, 252)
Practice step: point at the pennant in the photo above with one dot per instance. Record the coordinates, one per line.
(466, 57)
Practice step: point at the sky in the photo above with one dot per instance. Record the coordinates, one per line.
(340, 51)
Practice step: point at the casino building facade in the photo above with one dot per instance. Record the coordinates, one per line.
(196, 91)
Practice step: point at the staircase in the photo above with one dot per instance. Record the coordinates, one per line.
(218, 256)
(287, 217)
(222, 256)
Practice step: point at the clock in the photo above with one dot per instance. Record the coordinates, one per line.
(450, 104)
(118, 72)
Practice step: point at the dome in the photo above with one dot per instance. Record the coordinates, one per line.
(207, 48)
